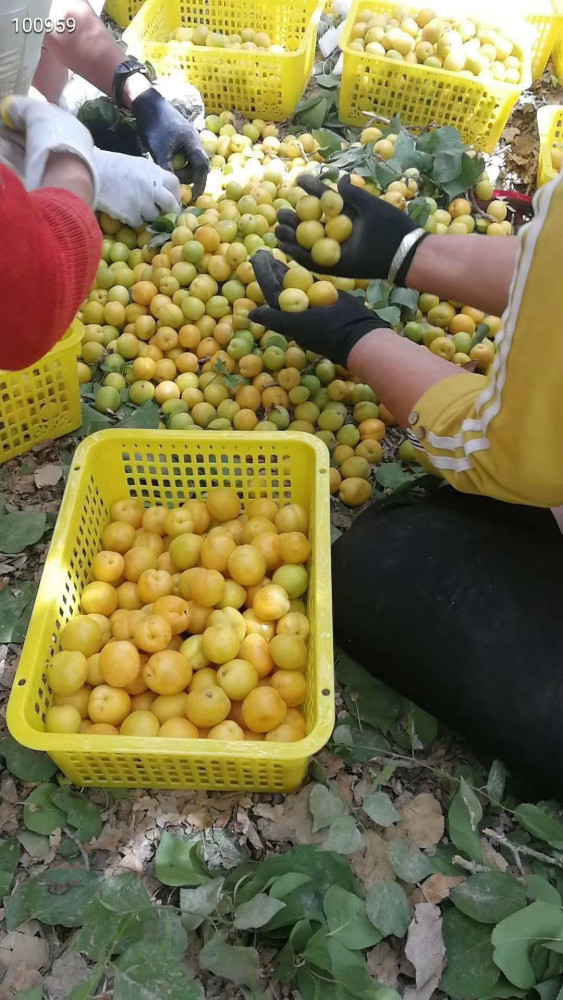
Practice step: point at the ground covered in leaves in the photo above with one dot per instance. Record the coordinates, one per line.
(402, 867)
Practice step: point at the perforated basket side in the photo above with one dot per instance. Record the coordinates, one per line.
(168, 470)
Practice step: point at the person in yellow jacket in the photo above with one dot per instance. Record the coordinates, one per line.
(455, 597)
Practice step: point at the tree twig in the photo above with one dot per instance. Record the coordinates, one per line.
(517, 849)
(469, 866)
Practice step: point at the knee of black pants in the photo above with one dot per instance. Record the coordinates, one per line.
(457, 602)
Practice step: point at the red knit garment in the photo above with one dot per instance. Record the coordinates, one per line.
(49, 253)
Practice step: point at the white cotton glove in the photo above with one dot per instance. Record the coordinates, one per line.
(47, 129)
(134, 190)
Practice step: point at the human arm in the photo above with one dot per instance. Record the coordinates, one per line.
(58, 251)
(349, 334)
(475, 270)
(386, 243)
(499, 434)
(92, 52)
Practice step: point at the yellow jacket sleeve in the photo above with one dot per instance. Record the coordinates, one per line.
(501, 434)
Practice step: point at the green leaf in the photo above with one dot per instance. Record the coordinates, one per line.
(389, 314)
(515, 937)
(256, 912)
(380, 809)
(39, 812)
(408, 862)
(381, 708)
(35, 993)
(16, 604)
(240, 965)
(489, 897)
(9, 857)
(313, 113)
(540, 824)
(478, 337)
(327, 140)
(86, 989)
(27, 765)
(92, 421)
(406, 299)
(472, 802)
(343, 836)
(438, 139)
(97, 938)
(497, 778)
(82, 814)
(324, 807)
(178, 861)
(388, 908)
(421, 727)
(347, 919)
(200, 902)
(284, 884)
(146, 416)
(470, 970)
(21, 529)
(161, 225)
(144, 974)
(390, 475)
(378, 292)
(358, 745)
(158, 241)
(419, 211)
(538, 887)
(57, 896)
(461, 833)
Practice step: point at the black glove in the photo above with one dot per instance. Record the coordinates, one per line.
(165, 132)
(330, 331)
(379, 230)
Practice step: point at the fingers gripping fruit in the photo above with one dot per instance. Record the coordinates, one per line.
(194, 666)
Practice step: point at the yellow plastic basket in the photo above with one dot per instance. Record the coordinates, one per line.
(422, 95)
(122, 11)
(548, 27)
(168, 469)
(550, 128)
(258, 84)
(557, 55)
(42, 402)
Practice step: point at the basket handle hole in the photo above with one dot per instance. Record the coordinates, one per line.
(325, 692)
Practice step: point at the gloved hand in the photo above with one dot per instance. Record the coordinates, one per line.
(133, 189)
(382, 235)
(328, 330)
(165, 132)
(47, 130)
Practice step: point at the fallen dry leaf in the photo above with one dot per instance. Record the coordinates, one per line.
(491, 856)
(435, 889)
(426, 950)
(67, 972)
(423, 822)
(48, 475)
(383, 964)
(23, 949)
(293, 823)
(371, 864)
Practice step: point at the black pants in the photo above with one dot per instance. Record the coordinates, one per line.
(457, 602)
